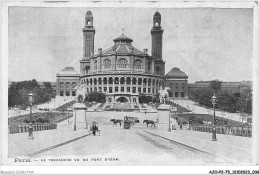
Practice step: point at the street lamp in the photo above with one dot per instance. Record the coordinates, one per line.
(214, 102)
(31, 98)
(75, 128)
(169, 129)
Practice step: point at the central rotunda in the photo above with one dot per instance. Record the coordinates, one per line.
(122, 71)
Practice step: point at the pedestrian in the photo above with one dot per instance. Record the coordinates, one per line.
(94, 128)
(181, 126)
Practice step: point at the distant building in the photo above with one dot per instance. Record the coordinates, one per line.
(232, 87)
(177, 81)
(67, 80)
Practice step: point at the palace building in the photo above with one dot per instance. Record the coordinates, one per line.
(121, 71)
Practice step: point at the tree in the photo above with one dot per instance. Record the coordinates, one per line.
(146, 98)
(245, 101)
(96, 96)
(18, 93)
(215, 85)
(203, 96)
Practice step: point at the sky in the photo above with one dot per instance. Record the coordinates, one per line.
(205, 43)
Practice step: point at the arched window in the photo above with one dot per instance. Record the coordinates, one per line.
(95, 65)
(138, 64)
(122, 80)
(171, 85)
(116, 80)
(95, 81)
(91, 81)
(145, 81)
(149, 66)
(73, 85)
(122, 63)
(182, 85)
(87, 69)
(128, 80)
(99, 81)
(110, 80)
(134, 81)
(139, 81)
(107, 64)
(149, 82)
(61, 85)
(153, 82)
(176, 86)
(105, 80)
(157, 70)
(67, 85)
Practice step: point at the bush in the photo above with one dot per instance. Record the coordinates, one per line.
(96, 96)
(146, 99)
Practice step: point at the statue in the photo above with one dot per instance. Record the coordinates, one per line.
(80, 92)
(163, 94)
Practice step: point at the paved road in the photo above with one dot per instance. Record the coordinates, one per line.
(131, 147)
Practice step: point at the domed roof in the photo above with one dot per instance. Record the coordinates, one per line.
(68, 71)
(89, 13)
(176, 73)
(157, 15)
(123, 38)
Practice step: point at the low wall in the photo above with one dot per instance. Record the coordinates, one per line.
(12, 129)
(245, 131)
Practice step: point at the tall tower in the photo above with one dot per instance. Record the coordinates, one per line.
(157, 33)
(88, 35)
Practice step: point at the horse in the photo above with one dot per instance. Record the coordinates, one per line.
(149, 122)
(115, 121)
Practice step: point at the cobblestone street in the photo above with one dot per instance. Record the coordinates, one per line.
(132, 147)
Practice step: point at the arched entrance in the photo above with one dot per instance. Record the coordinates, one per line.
(122, 99)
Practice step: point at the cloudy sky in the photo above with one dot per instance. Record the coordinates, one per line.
(205, 43)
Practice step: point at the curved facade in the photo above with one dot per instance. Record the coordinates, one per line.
(121, 71)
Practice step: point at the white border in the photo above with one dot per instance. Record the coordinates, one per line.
(132, 169)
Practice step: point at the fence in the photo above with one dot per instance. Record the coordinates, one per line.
(245, 131)
(12, 129)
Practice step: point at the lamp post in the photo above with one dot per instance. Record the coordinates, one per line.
(214, 101)
(31, 98)
(75, 121)
(169, 129)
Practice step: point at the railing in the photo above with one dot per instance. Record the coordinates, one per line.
(245, 131)
(12, 129)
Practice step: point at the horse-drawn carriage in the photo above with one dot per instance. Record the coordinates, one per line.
(130, 121)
